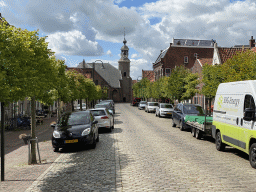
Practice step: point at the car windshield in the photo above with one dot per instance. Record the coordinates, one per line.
(193, 109)
(143, 102)
(98, 112)
(169, 106)
(153, 104)
(70, 119)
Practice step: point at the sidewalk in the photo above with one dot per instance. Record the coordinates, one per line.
(18, 174)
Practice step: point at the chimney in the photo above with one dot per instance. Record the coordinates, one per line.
(252, 42)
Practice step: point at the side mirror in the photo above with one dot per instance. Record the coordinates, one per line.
(94, 122)
(249, 114)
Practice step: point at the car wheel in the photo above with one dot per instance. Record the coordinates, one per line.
(159, 115)
(181, 126)
(173, 124)
(252, 155)
(93, 145)
(198, 134)
(219, 145)
(193, 131)
(98, 138)
(56, 149)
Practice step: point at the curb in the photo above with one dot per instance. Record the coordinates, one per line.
(40, 178)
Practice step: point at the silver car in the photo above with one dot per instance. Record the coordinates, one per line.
(142, 105)
(164, 110)
(104, 117)
(151, 107)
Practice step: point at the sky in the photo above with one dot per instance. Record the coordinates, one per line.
(94, 29)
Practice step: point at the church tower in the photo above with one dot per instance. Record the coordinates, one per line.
(124, 68)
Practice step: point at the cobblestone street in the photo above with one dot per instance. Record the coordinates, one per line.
(145, 153)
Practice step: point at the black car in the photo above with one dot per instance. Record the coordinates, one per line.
(75, 128)
(180, 112)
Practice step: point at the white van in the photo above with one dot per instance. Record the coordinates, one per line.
(234, 121)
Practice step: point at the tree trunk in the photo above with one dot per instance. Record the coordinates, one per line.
(58, 110)
(33, 130)
(72, 105)
(2, 141)
(81, 105)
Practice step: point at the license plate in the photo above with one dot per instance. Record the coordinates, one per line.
(169, 113)
(71, 141)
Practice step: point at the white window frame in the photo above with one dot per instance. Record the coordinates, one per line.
(186, 59)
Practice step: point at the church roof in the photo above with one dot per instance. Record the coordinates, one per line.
(108, 72)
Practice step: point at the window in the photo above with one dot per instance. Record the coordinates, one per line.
(167, 72)
(249, 102)
(186, 59)
(96, 82)
(196, 99)
(124, 74)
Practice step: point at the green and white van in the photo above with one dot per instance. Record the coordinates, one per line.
(234, 121)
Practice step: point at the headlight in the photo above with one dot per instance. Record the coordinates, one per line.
(56, 134)
(86, 131)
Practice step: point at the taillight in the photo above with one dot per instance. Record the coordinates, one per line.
(105, 117)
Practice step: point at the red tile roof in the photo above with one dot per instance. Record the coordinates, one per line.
(227, 53)
(148, 74)
(205, 60)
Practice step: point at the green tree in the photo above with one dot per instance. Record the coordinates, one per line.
(240, 67)
(212, 77)
(72, 84)
(191, 81)
(176, 83)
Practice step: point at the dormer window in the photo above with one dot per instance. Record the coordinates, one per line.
(186, 59)
(124, 74)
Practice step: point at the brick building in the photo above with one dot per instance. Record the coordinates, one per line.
(220, 56)
(149, 74)
(182, 52)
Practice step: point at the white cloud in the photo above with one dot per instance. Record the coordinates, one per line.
(74, 26)
(119, 1)
(2, 4)
(73, 43)
(134, 55)
(109, 53)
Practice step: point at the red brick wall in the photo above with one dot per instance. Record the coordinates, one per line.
(175, 56)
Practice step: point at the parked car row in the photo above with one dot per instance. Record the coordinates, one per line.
(82, 127)
(160, 109)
